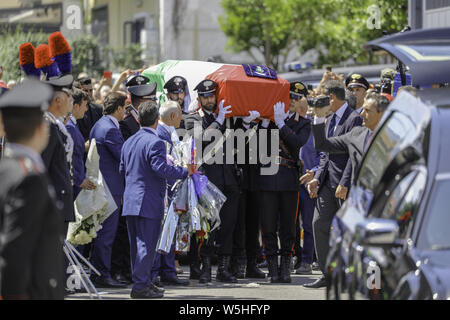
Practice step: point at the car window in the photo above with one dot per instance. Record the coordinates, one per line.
(383, 149)
(405, 200)
(397, 196)
(435, 234)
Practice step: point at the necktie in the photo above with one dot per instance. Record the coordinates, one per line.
(367, 141)
(332, 125)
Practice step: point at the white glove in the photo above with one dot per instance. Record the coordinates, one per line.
(223, 112)
(252, 116)
(265, 122)
(279, 114)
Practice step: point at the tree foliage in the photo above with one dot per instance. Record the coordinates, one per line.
(336, 29)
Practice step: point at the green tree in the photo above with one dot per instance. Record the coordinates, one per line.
(261, 24)
(337, 29)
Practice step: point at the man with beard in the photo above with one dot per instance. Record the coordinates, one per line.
(177, 90)
(223, 175)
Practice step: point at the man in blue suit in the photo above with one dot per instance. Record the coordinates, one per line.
(333, 176)
(80, 100)
(146, 170)
(109, 143)
(170, 118)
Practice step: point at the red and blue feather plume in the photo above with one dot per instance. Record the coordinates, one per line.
(26, 60)
(61, 52)
(43, 61)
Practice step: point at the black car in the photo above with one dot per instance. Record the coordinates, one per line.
(389, 239)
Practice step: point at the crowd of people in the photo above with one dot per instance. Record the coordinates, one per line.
(50, 124)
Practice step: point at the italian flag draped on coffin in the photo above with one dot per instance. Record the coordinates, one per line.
(244, 87)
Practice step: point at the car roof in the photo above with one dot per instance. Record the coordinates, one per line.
(426, 53)
(439, 97)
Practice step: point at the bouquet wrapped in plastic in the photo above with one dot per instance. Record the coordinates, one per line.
(195, 206)
(92, 207)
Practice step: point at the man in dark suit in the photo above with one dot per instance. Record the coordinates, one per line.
(94, 111)
(279, 192)
(80, 100)
(109, 143)
(170, 118)
(355, 142)
(57, 155)
(224, 176)
(333, 175)
(31, 226)
(144, 164)
(140, 92)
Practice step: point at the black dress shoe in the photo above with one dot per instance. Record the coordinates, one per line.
(174, 281)
(102, 282)
(122, 279)
(319, 283)
(145, 293)
(157, 283)
(156, 288)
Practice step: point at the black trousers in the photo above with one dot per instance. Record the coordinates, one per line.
(223, 237)
(245, 237)
(326, 207)
(278, 208)
(120, 256)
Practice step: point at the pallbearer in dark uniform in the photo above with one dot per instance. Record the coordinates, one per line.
(140, 92)
(177, 90)
(279, 193)
(246, 233)
(224, 176)
(31, 228)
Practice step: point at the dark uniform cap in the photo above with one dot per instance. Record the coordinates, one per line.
(145, 91)
(206, 88)
(357, 80)
(298, 89)
(29, 94)
(176, 84)
(61, 83)
(136, 80)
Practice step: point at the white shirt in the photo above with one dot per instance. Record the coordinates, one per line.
(339, 114)
(116, 122)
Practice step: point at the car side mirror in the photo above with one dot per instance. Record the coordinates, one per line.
(377, 232)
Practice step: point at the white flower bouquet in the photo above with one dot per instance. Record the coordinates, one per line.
(92, 207)
(195, 206)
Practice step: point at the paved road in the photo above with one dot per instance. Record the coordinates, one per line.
(247, 289)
